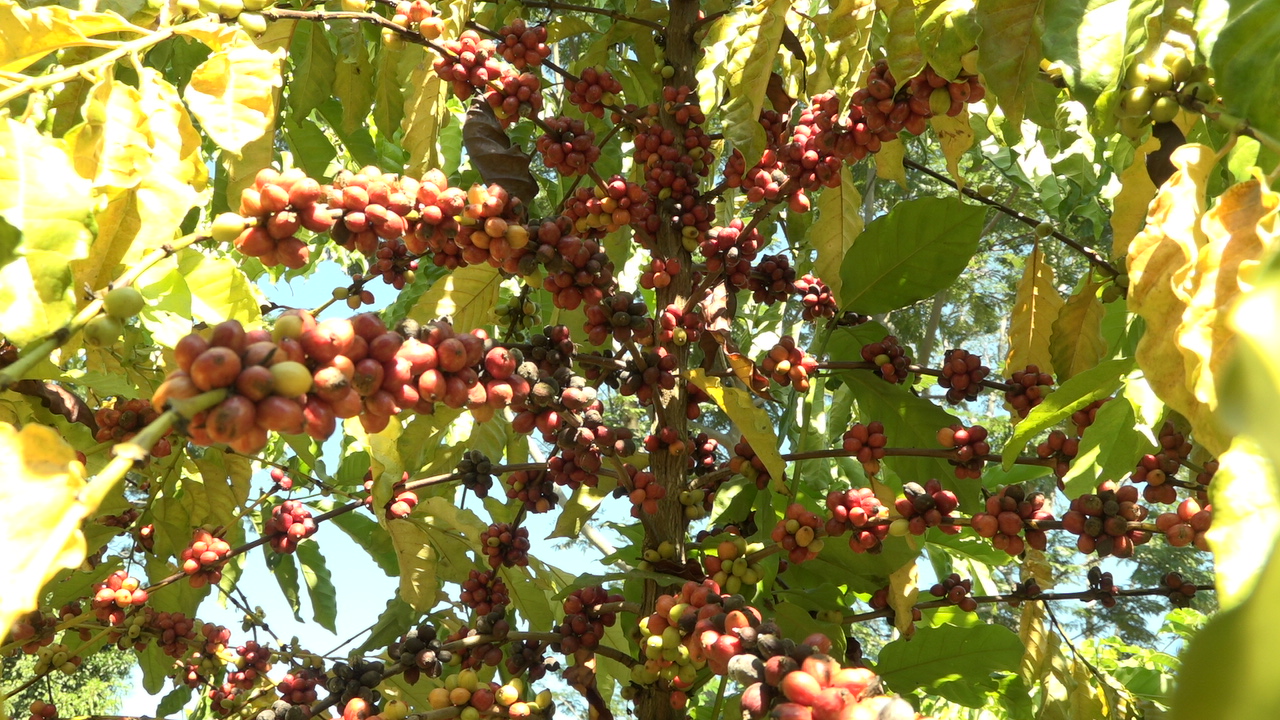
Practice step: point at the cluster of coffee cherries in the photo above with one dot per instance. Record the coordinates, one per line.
(371, 211)
(857, 509)
(889, 357)
(1027, 389)
(271, 213)
(1152, 91)
(645, 492)
(748, 464)
(1004, 521)
(420, 652)
(772, 280)
(534, 488)
(1061, 449)
(41, 710)
(120, 422)
(1156, 470)
(670, 637)
(955, 591)
(971, 448)
(252, 662)
(578, 270)
(622, 316)
(921, 508)
(469, 64)
(475, 469)
(114, 597)
(594, 212)
(584, 620)
(517, 314)
(1102, 520)
(298, 687)
(357, 680)
(797, 533)
(678, 326)
(787, 364)
(962, 375)
(1179, 591)
(514, 95)
(1186, 525)
(505, 545)
(489, 227)
(567, 146)
(816, 299)
(523, 46)
(492, 629)
(202, 559)
(888, 108)
(659, 374)
(867, 443)
(1104, 585)
(418, 15)
(484, 591)
(596, 89)
(1087, 415)
(730, 568)
(729, 250)
(289, 524)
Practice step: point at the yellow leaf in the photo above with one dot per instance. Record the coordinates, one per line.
(1232, 227)
(1160, 262)
(141, 218)
(424, 115)
(232, 94)
(1075, 342)
(889, 162)
(839, 223)
(1040, 643)
(28, 35)
(257, 154)
(1035, 308)
(111, 147)
(956, 137)
(1129, 208)
(753, 422)
(845, 31)
(41, 496)
(901, 45)
(903, 591)
(465, 296)
(741, 60)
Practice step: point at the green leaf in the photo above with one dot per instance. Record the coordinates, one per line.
(312, 149)
(752, 421)
(388, 92)
(838, 225)
(936, 657)
(946, 30)
(581, 506)
(1079, 391)
(1228, 669)
(314, 70)
(353, 75)
(841, 54)
(533, 601)
(905, 57)
(285, 570)
(1246, 75)
(320, 589)
(1110, 449)
(739, 60)
(795, 622)
(219, 289)
(909, 421)
(917, 249)
(173, 702)
(371, 538)
(860, 572)
(392, 623)
(465, 295)
(1009, 52)
(1082, 36)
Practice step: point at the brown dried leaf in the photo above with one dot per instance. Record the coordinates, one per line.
(59, 401)
(493, 155)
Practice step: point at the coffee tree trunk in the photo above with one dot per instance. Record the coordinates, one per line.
(670, 469)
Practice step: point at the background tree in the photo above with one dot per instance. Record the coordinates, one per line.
(894, 358)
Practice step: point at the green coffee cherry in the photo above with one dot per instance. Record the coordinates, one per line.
(123, 303)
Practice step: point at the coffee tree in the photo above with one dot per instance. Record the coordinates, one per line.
(864, 325)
